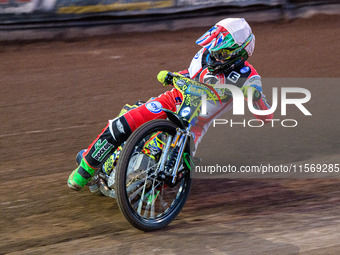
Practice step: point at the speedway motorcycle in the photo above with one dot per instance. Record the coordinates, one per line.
(150, 177)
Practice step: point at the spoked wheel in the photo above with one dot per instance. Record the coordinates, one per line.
(148, 202)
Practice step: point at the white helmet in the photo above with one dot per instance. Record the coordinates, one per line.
(229, 42)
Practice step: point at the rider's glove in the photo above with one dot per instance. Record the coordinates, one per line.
(164, 77)
(249, 89)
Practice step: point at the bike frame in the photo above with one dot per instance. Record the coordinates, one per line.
(192, 92)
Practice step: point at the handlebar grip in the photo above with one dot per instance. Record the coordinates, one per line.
(165, 77)
(162, 76)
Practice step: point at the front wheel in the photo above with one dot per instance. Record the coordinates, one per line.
(146, 201)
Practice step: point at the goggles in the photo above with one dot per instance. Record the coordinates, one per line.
(225, 54)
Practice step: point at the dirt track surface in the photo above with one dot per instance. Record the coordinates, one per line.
(57, 96)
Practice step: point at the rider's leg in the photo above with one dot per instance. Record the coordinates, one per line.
(98, 151)
(116, 132)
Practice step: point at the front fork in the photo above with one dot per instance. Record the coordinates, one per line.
(178, 143)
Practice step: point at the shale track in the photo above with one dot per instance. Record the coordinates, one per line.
(56, 96)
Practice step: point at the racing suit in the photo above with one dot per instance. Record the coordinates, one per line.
(119, 129)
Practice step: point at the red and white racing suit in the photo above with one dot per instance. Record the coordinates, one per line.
(118, 129)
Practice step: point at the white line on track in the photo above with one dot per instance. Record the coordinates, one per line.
(15, 201)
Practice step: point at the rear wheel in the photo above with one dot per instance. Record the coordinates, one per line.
(146, 201)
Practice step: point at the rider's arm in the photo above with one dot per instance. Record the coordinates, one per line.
(259, 100)
(262, 104)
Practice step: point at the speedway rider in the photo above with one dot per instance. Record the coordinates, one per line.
(221, 60)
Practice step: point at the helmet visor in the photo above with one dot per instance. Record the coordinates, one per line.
(224, 54)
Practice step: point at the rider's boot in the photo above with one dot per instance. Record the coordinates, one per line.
(80, 176)
(112, 136)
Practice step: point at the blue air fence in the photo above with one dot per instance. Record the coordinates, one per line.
(26, 12)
